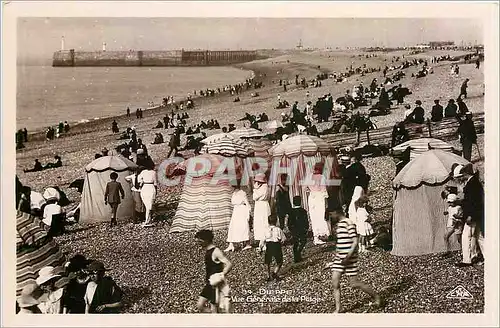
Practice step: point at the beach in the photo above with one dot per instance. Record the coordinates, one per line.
(164, 291)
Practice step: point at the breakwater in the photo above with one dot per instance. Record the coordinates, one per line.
(72, 58)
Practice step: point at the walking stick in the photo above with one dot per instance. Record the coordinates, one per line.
(479, 153)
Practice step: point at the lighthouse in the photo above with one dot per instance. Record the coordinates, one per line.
(62, 43)
(104, 46)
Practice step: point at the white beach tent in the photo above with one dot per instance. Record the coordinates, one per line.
(97, 174)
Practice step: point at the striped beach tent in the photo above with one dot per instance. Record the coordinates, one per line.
(298, 155)
(422, 145)
(205, 201)
(418, 220)
(34, 250)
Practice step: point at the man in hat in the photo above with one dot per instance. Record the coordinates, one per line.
(418, 114)
(451, 109)
(467, 134)
(473, 213)
(463, 88)
(437, 112)
(102, 295)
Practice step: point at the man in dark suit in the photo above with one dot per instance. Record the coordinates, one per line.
(473, 212)
(467, 133)
(437, 112)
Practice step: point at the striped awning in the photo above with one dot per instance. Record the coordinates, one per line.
(421, 145)
(217, 137)
(301, 144)
(34, 250)
(228, 147)
(247, 133)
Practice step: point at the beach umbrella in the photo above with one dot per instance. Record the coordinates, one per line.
(432, 167)
(196, 163)
(228, 147)
(246, 133)
(217, 137)
(274, 125)
(301, 144)
(117, 163)
(418, 221)
(422, 145)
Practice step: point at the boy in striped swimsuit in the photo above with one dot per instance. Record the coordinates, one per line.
(346, 259)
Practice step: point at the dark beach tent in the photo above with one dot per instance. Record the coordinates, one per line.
(97, 174)
(78, 184)
(418, 222)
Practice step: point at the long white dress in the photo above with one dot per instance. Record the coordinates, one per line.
(363, 227)
(261, 212)
(148, 191)
(317, 206)
(238, 226)
(358, 192)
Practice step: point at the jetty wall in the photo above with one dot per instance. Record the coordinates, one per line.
(72, 58)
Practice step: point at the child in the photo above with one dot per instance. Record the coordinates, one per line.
(112, 195)
(363, 226)
(272, 246)
(455, 222)
(346, 259)
(217, 266)
(28, 301)
(298, 224)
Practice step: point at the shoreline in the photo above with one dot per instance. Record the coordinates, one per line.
(260, 73)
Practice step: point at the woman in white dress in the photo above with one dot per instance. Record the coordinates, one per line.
(262, 209)
(357, 194)
(239, 230)
(317, 206)
(147, 181)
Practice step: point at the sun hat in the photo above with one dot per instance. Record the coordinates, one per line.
(29, 296)
(45, 274)
(51, 194)
(457, 172)
(451, 198)
(261, 177)
(96, 266)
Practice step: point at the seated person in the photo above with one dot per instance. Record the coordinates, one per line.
(197, 130)
(58, 163)
(231, 127)
(38, 167)
(53, 217)
(224, 129)
(237, 99)
(189, 131)
(159, 125)
(216, 125)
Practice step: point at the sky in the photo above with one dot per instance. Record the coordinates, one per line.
(38, 38)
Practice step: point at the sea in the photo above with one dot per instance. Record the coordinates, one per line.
(47, 95)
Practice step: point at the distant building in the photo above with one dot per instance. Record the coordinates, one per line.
(440, 44)
(422, 46)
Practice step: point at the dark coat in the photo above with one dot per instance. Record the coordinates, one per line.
(473, 202)
(437, 113)
(298, 224)
(450, 110)
(467, 131)
(352, 176)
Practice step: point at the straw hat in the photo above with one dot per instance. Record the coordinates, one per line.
(96, 266)
(45, 274)
(29, 296)
(451, 198)
(261, 177)
(51, 194)
(457, 172)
